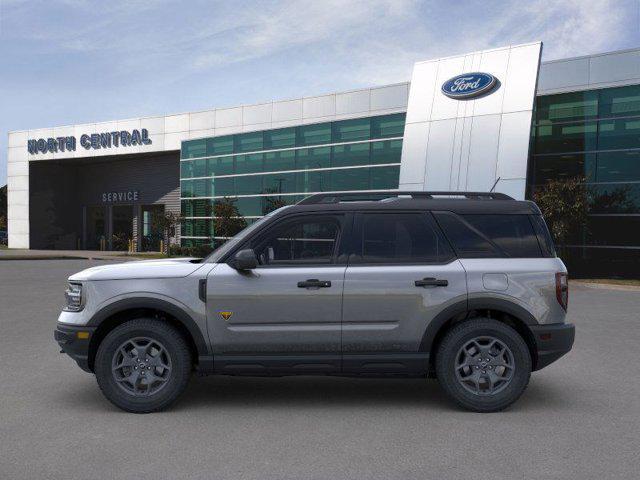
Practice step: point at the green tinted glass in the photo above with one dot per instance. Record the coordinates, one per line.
(194, 148)
(319, 157)
(615, 198)
(619, 102)
(388, 126)
(249, 163)
(573, 137)
(279, 183)
(313, 134)
(196, 208)
(220, 145)
(384, 178)
(280, 138)
(250, 206)
(388, 151)
(193, 168)
(221, 166)
(622, 133)
(618, 166)
(352, 130)
(194, 242)
(223, 187)
(248, 185)
(554, 167)
(186, 188)
(248, 142)
(347, 155)
(311, 182)
(186, 169)
(349, 179)
(566, 107)
(284, 160)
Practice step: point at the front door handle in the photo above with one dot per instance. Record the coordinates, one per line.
(314, 283)
(431, 282)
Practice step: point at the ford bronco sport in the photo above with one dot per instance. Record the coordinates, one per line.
(463, 286)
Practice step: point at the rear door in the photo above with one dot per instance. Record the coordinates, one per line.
(401, 274)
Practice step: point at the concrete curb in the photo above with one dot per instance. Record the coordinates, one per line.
(65, 257)
(606, 286)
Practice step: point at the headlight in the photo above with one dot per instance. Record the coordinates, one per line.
(73, 295)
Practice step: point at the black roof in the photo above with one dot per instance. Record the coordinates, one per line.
(457, 202)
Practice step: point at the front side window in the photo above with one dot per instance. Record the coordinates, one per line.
(299, 242)
(395, 238)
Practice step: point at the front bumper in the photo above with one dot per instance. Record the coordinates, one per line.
(552, 342)
(74, 341)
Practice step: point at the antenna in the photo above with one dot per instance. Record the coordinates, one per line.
(494, 185)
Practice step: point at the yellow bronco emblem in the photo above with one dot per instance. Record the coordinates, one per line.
(226, 315)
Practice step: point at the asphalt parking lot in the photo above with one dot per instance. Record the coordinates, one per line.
(579, 418)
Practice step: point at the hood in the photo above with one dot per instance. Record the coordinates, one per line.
(164, 268)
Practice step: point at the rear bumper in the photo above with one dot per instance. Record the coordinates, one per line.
(552, 342)
(77, 347)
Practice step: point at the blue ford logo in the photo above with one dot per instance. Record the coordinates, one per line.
(468, 85)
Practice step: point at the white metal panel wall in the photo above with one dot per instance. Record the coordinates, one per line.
(168, 132)
(452, 144)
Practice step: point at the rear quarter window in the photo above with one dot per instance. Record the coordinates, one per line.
(491, 235)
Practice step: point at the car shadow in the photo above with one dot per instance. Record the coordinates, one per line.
(310, 392)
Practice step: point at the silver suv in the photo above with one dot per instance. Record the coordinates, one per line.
(462, 286)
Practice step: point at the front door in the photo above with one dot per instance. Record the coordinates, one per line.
(285, 315)
(401, 274)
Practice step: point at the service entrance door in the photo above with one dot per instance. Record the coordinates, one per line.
(121, 227)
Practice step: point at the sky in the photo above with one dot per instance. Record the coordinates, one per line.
(65, 62)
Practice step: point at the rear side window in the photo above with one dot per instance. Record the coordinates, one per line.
(400, 238)
(488, 235)
(467, 241)
(513, 234)
(544, 237)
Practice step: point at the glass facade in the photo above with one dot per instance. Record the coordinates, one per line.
(267, 169)
(594, 135)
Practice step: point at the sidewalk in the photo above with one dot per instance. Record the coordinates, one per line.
(23, 254)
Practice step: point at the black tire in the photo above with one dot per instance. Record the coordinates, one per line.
(177, 377)
(449, 352)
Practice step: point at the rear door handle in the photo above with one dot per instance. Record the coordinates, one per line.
(431, 282)
(314, 283)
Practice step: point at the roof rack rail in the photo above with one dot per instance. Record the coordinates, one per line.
(382, 194)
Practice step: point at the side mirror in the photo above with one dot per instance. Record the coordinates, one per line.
(245, 260)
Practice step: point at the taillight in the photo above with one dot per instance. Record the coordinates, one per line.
(562, 289)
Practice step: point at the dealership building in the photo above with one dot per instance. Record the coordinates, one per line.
(496, 119)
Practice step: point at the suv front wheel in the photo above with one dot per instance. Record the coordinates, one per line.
(143, 365)
(483, 365)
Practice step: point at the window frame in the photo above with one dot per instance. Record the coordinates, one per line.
(344, 220)
(357, 232)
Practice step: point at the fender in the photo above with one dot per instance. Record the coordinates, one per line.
(503, 305)
(453, 310)
(157, 304)
(465, 306)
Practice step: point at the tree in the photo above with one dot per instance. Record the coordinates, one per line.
(228, 221)
(166, 222)
(564, 204)
(273, 202)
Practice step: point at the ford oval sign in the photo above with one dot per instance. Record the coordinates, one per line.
(468, 85)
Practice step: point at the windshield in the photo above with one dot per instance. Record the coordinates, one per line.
(230, 244)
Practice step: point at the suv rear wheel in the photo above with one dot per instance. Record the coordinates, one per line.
(143, 365)
(483, 365)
